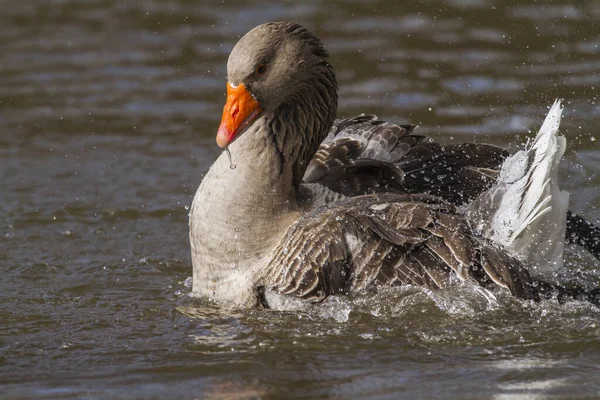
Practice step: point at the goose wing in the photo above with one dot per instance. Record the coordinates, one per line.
(365, 155)
(373, 240)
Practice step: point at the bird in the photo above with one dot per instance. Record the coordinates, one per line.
(301, 206)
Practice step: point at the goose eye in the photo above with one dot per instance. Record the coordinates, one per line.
(261, 69)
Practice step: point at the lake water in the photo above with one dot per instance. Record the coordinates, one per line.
(108, 114)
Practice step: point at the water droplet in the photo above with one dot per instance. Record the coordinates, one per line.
(231, 164)
(186, 207)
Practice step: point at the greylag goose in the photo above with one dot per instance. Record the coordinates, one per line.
(305, 207)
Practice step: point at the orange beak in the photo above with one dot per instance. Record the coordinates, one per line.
(239, 112)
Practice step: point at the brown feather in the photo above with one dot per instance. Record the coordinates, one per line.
(370, 241)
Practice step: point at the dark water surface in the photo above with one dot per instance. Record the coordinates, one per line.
(108, 113)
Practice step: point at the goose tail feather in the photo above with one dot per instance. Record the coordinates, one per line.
(525, 212)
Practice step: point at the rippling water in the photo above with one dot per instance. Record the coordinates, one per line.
(108, 113)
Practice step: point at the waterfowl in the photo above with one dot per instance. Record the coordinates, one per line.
(308, 207)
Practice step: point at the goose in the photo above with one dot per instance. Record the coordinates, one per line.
(302, 206)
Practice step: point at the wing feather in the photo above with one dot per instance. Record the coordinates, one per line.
(369, 241)
(363, 155)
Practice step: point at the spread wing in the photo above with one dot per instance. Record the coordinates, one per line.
(365, 155)
(369, 241)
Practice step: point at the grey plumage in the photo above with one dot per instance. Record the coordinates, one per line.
(316, 208)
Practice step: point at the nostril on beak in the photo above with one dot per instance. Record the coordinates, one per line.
(235, 112)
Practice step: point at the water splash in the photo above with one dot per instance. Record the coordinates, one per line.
(231, 164)
(337, 308)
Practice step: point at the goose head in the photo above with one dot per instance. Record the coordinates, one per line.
(274, 67)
